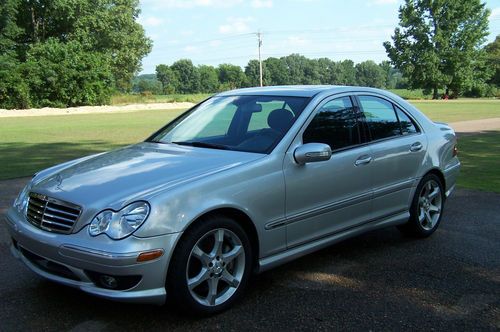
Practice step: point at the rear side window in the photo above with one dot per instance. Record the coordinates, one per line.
(335, 124)
(380, 117)
(407, 125)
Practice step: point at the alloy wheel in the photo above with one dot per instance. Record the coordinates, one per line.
(216, 266)
(430, 203)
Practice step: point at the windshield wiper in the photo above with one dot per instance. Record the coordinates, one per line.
(203, 145)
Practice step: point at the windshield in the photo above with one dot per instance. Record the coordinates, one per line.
(242, 123)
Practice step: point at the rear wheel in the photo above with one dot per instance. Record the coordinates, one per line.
(211, 266)
(427, 207)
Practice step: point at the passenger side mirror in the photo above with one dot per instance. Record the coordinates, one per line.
(312, 152)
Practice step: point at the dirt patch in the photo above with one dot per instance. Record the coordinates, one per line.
(476, 126)
(92, 109)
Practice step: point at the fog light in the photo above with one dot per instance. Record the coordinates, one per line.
(109, 281)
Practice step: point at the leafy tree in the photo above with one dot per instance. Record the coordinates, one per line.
(344, 73)
(252, 72)
(105, 31)
(187, 76)
(275, 72)
(13, 90)
(295, 65)
(209, 80)
(493, 58)
(368, 73)
(231, 76)
(438, 43)
(167, 77)
(104, 26)
(63, 74)
(325, 69)
(147, 84)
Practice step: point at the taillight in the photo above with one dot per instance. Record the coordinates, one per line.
(455, 150)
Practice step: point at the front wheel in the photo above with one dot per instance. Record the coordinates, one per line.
(211, 266)
(426, 209)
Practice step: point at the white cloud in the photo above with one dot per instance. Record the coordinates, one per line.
(191, 3)
(215, 43)
(150, 21)
(261, 3)
(495, 13)
(190, 49)
(236, 25)
(297, 40)
(384, 2)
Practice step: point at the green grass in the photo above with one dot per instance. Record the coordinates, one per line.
(459, 110)
(29, 144)
(480, 157)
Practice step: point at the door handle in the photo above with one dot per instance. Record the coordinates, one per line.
(363, 160)
(417, 146)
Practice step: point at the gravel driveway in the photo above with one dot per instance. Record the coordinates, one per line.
(378, 281)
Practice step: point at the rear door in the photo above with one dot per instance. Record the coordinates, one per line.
(398, 149)
(329, 196)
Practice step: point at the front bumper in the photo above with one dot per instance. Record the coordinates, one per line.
(76, 259)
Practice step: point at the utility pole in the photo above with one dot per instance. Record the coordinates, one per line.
(259, 36)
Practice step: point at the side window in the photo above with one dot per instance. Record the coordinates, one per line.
(335, 124)
(380, 117)
(407, 125)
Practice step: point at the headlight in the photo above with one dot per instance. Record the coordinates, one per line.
(118, 225)
(21, 202)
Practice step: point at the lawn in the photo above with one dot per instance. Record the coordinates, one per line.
(480, 157)
(459, 110)
(28, 144)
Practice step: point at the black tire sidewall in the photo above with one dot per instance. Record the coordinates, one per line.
(177, 289)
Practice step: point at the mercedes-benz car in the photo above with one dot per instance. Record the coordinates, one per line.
(238, 184)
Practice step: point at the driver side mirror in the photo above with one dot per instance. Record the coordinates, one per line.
(312, 152)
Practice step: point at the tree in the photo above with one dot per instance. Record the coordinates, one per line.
(187, 76)
(62, 74)
(368, 73)
(209, 81)
(493, 58)
(231, 76)
(106, 31)
(275, 72)
(252, 72)
(166, 76)
(437, 44)
(344, 73)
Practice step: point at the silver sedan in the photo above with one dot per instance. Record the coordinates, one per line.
(242, 182)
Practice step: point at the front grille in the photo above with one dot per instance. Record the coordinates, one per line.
(51, 214)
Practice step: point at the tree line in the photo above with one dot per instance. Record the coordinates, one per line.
(184, 77)
(69, 53)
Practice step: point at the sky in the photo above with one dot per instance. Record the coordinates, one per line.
(225, 31)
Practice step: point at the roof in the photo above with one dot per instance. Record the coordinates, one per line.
(285, 90)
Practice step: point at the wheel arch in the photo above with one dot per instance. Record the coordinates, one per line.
(239, 217)
(439, 174)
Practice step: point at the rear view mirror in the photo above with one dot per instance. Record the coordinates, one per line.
(312, 152)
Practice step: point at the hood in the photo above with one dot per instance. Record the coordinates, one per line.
(115, 178)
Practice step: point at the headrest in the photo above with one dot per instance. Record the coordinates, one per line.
(280, 119)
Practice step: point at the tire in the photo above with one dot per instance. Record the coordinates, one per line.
(426, 209)
(210, 267)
